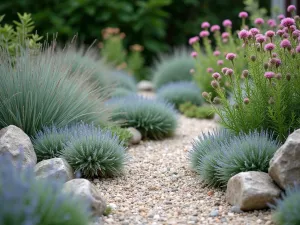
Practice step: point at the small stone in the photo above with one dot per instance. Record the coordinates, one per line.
(145, 85)
(210, 193)
(113, 206)
(136, 136)
(89, 192)
(156, 217)
(259, 221)
(54, 169)
(236, 209)
(251, 190)
(214, 213)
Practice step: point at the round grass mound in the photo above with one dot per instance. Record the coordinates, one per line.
(180, 92)
(155, 119)
(172, 68)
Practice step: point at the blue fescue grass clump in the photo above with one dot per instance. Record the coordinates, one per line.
(155, 119)
(95, 153)
(172, 68)
(288, 207)
(219, 157)
(180, 92)
(124, 80)
(90, 150)
(37, 91)
(25, 200)
(121, 92)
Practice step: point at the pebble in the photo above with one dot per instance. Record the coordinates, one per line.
(214, 213)
(236, 209)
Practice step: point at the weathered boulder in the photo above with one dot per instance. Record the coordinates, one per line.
(89, 192)
(15, 142)
(136, 135)
(145, 85)
(251, 190)
(55, 169)
(285, 165)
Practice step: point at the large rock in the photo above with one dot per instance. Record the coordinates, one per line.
(89, 192)
(145, 85)
(251, 190)
(55, 169)
(15, 142)
(136, 136)
(285, 165)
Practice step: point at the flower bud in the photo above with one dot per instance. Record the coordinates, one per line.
(271, 101)
(205, 95)
(288, 77)
(245, 73)
(266, 66)
(278, 76)
(253, 58)
(217, 100)
(214, 84)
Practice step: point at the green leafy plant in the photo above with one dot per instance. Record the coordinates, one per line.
(38, 91)
(266, 96)
(123, 134)
(155, 119)
(172, 68)
(201, 112)
(287, 208)
(26, 200)
(19, 35)
(219, 158)
(180, 92)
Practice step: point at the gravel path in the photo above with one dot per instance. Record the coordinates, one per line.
(159, 188)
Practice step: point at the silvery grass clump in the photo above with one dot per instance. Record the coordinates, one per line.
(287, 208)
(25, 200)
(37, 91)
(172, 68)
(155, 119)
(180, 92)
(121, 92)
(124, 80)
(217, 157)
(90, 150)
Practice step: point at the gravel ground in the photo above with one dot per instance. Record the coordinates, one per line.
(158, 186)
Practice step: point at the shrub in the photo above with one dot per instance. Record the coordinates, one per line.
(193, 111)
(180, 92)
(153, 118)
(37, 91)
(51, 141)
(25, 200)
(121, 92)
(172, 68)
(287, 208)
(124, 80)
(266, 96)
(219, 158)
(95, 153)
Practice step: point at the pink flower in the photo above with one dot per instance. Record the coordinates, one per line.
(210, 70)
(220, 62)
(269, 75)
(270, 33)
(274, 55)
(259, 21)
(215, 28)
(225, 40)
(293, 28)
(280, 32)
(298, 49)
(287, 22)
(193, 40)
(272, 23)
(285, 43)
(254, 31)
(281, 17)
(229, 72)
(205, 25)
(224, 70)
(269, 47)
(204, 33)
(260, 38)
(285, 35)
(217, 53)
(296, 34)
(243, 15)
(214, 84)
(291, 8)
(227, 23)
(246, 101)
(194, 54)
(225, 35)
(216, 75)
(230, 56)
(243, 34)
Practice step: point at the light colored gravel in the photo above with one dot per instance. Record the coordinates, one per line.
(158, 186)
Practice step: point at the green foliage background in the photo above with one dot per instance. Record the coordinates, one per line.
(157, 25)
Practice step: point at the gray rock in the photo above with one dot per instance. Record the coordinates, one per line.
(251, 190)
(136, 135)
(285, 165)
(89, 192)
(236, 209)
(214, 213)
(145, 85)
(55, 169)
(16, 143)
